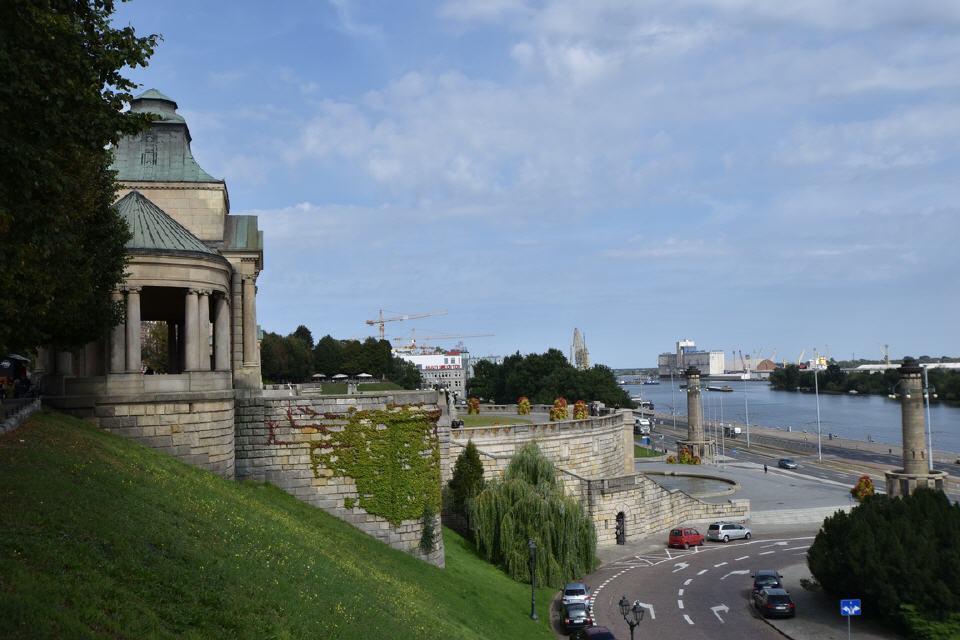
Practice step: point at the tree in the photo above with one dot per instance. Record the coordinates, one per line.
(303, 333)
(155, 351)
(467, 480)
(61, 98)
(327, 356)
(529, 503)
(405, 373)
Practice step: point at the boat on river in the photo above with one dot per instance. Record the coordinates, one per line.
(724, 388)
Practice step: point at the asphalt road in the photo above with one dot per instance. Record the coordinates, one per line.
(700, 593)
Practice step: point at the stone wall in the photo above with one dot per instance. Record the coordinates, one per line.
(279, 436)
(196, 427)
(592, 448)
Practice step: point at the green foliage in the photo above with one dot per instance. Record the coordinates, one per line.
(922, 628)
(685, 457)
(405, 373)
(473, 406)
(393, 456)
(945, 382)
(154, 350)
(863, 488)
(529, 503)
(349, 502)
(61, 102)
(559, 410)
(579, 410)
(285, 359)
(103, 537)
(543, 377)
(893, 552)
(467, 480)
(428, 531)
(523, 406)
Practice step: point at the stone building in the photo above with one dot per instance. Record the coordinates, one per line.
(193, 266)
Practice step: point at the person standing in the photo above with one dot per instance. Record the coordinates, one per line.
(764, 468)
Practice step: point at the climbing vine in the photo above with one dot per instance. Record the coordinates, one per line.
(392, 454)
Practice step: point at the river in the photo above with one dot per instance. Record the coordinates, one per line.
(859, 417)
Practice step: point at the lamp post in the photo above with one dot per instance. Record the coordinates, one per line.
(632, 614)
(532, 546)
(926, 394)
(746, 408)
(816, 390)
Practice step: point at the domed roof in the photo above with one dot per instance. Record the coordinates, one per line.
(154, 230)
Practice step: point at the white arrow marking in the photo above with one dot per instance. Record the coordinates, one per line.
(702, 571)
(719, 565)
(795, 548)
(775, 544)
(687, 618)
(736, 573)
(717, 609)
(648, 607)
(680, 566)
(687, 581)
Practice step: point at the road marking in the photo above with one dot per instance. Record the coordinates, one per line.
(680, 604)
(719, 565)
(648, 607)
(739, 572)
(669, 557)
(765, 553)
(702, 571)
(717, 609)
(775, 544)
(680, 593)
(680, 566)
(795, 548)
(741, 558)
(688, 581)
(687, 618)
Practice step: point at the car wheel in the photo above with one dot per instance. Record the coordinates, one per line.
(686, 546)
(746, 536)
(726, 538)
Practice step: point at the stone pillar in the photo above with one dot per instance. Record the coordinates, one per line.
(173, 350)
(191, 331)
(65, 363)
(221, 334)
(912, 420)
(133, 330)
(694, 406)
(203, 330)
(250, 356)
(118, 343)
(43, 362)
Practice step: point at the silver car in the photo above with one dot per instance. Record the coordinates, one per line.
(726, 531)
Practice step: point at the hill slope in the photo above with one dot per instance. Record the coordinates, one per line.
(100, 536)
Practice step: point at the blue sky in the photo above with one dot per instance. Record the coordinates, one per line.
(749, 174)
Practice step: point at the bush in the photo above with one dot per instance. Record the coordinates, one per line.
(559, 410)
(529, 503)
(580, 410)
(467, 480)
(523, 406)
(863, 488)
(893, 552)
(473, 406)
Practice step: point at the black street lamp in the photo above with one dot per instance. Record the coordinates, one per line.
(532, 546)
(632, 614)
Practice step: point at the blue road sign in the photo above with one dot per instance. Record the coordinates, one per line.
(850, 607)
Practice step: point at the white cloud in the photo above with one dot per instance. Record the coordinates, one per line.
(350, 24)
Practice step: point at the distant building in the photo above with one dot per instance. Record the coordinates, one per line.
(710, 363)
(439, 369)
(470, 362)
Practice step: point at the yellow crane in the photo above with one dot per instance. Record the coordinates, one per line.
(380, 320)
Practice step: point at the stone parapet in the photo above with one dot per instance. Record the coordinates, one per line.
(901, 483)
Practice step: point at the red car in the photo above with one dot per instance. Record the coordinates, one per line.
(685, 537)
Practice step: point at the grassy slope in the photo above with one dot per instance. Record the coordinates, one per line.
(644, 452)
(491, 420)
(101, 537)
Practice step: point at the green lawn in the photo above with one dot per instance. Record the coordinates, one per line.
(101, 537)
(340, 388)
(644, 452)
(491, 420)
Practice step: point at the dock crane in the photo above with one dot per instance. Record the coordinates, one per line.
(380, 320)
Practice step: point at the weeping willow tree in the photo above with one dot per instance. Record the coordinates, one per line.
(529, 503)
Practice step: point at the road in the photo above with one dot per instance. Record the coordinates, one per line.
(700, 593)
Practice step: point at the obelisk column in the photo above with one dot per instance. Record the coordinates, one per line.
(118, 343)
(203, 330)
(694, 406)
(249, 320)
(133, 330)
(191, 331)
(912, 421)
(221, 334)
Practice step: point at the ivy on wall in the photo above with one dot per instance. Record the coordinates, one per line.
(392, 454)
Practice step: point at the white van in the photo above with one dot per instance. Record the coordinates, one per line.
(641, 426)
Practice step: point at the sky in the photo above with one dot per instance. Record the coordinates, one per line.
(752, 175)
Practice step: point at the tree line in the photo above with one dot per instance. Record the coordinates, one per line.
(544, 377)
(296, 357)
(833, 379)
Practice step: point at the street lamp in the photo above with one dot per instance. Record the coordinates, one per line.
(816, 390)
(926, 394)
(532, 546)
(632, 614)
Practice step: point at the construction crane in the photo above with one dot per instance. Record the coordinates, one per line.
(412, 340)
(380, 320)
(800, 357)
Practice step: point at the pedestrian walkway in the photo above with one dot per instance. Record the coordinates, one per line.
(815, 515)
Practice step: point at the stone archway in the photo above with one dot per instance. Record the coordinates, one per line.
(621, 529)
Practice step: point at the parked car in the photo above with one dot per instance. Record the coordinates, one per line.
(641, 426)
(787, 463)
(726, 531)
(764, 578)
(575, 593)
(593, 633)
(774, 602)
(685, 537)
(576, 615)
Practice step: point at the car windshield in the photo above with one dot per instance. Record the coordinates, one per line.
(767, 580)
(574, 592)
(714, 527)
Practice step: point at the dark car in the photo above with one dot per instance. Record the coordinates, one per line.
(787, 463)
(774, 602)
(593, 633)
(764, 578)
(576, 615)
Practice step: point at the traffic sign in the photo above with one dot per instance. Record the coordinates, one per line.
(850, 607)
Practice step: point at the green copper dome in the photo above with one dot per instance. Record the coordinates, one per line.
(154, 230)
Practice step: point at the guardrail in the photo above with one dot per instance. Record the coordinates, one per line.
(14, 412)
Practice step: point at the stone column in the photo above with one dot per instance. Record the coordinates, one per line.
(173, 350)
(912, 420)
(250, 356)
(191, 331)
(118, 343)
(133, 330)
(694, 406)
(203, 330)
(43, 355)
(221, 334)
(65, 363)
